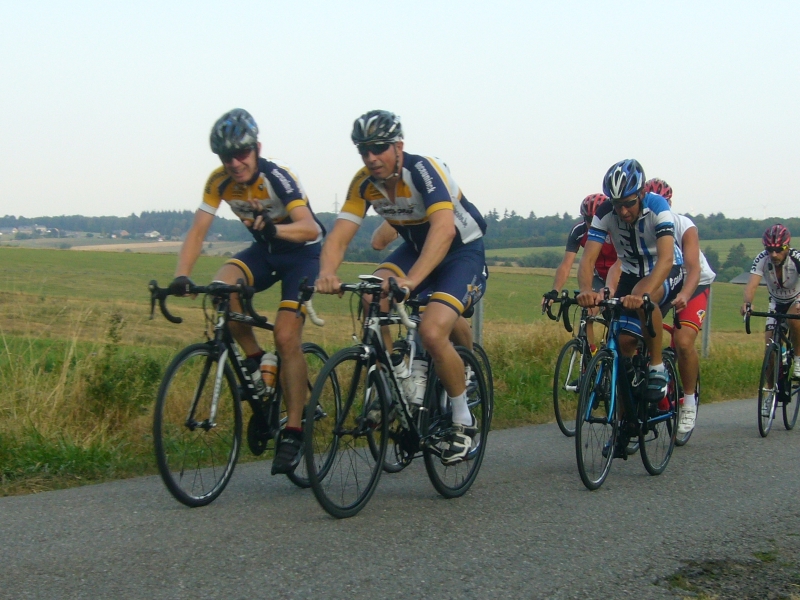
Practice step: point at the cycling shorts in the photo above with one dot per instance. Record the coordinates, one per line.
(695, 311)
(263, 269)
(778, 307)
(627, 281)
(598, 283)
(458, 282)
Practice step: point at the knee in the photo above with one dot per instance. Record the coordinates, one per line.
(287, 340)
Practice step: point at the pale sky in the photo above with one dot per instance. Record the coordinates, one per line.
(106, 107)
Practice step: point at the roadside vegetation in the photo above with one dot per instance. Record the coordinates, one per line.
(80, 361)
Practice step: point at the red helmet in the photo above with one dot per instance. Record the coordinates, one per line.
(776, 236)
(590, 204)
(660, 187)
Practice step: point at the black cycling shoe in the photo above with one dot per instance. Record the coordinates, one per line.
(620, 448)
(288, 453)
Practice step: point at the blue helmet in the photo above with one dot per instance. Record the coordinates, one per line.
(623, 179)
(235, 130)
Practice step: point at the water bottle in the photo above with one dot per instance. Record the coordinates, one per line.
(269, 372)
(403, 375)
(254, 369)
(419, 375)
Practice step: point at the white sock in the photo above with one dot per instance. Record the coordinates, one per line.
(689, 400)
(659, 367)
(461, 414)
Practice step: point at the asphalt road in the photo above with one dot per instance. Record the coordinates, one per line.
(527, 529)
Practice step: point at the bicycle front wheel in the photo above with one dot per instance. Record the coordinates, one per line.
(657, 440)
(596, 426)
(790, 408)
(453, 480)
(486, 367)
(316, 358)
(768, 389)
(566, 384)
(197, 437)
(349, 444)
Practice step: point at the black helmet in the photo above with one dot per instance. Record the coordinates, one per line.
(377, 127)
(235, 130)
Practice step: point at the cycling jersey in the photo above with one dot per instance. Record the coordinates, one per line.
(425, 186)
(786, 288)
(277, 189)
(608, 255)
(682, 225)
(635, 243)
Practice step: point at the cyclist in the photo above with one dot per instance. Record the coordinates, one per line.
(576, 240)
(779, 265)
(641, 228)
(442, 249)
(690, 304)
(268, 198)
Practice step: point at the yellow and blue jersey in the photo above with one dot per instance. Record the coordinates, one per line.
(276, 189)
(425, 186)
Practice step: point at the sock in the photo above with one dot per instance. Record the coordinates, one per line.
(461, 414)
(257, 356)
(689, 400)
(295, 432)
(658, 368)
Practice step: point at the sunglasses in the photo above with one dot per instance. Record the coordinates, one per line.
(376, 149)
(621, 204)
(775, 249)
(240, 155)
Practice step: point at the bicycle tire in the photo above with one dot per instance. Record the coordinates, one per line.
(343, 443)
(486, 367)
(791, 408)
(316, 358)
(657, 439)
(768, 393)
(453, 481)
(196, 458)
(596, 428)
(569, 366)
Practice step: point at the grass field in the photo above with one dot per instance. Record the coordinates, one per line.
(80, 361)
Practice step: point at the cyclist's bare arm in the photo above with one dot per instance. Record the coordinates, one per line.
(193, 243)
(333, 254)
(303, 227)
(437, 243)
(750, 291)
(591, 252)
(383, 235)
(612, 277)
(690, 246)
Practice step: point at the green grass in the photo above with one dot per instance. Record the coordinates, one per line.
(80, 360)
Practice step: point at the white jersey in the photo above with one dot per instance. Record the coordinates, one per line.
(783, 282)
(636, 242)
(682, 225)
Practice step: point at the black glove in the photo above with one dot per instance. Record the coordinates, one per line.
(269, 231)
(181, 286)
(547, 298)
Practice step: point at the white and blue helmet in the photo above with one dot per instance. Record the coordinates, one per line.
(623, 179)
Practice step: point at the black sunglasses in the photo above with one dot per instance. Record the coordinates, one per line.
(621, 204)
(240, 155)
(775, 249)
(376, 149)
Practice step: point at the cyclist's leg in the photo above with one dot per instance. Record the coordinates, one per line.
(794, 335)
(397, 264)
(691, 320)
(597, 284)
(293, 267)
(252, 266)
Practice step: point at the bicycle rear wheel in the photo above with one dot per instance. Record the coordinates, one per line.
(196, 453)
(453, 480)
(596, 426)
(486, 367)
(316, 358)
(768, 389)
(566, 384)
(657, 441)
(350, 442)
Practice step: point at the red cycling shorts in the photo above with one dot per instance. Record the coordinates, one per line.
(695, 311)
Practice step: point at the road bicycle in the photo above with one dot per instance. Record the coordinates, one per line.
(613, 408)
(681, 438)
(377, 409)
(572, 362)
(197, 425)
(777, 386)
